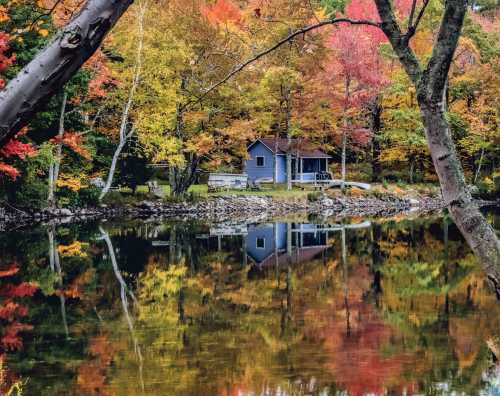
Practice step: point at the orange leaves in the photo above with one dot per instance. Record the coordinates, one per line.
(73, 141)
(99, 86)
(9, 171)
(11, 270)
(222, 12)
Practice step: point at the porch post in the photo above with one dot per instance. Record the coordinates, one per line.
(275, 166)
(301, 167)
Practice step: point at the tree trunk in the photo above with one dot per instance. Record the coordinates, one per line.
(181, 179)
(412, 168)
(54, 65)
(347, 95)
(124, 136)
(344, 148)
(376, 126)
(288, 101)
(56, 164)
(463, 209)
(478, 170)
(431, 84)
(114, 162)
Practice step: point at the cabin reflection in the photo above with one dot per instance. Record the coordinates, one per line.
(285, 243)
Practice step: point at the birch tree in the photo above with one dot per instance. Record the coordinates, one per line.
(56, 163)
(126, 130)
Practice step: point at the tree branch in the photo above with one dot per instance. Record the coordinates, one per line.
(412, 13)
(398, 40)
(436, 72)
(413, 28)
(54, 65)
(286, 39)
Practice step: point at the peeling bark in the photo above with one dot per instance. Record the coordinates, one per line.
(56, 64)
(431, 85)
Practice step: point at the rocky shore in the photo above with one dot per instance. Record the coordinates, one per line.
(230, 207)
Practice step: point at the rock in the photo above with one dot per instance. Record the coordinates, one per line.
(65, 212)
(414, 202)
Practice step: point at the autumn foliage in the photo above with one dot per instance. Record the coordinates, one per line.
(11, 310)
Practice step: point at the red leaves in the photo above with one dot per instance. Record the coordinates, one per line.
(15, 148)
(5, 61)
(11, 310)
(222, 12)
(20, 290)
(73, 141)
(10, 339)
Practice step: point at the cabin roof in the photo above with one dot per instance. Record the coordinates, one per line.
(281, 146)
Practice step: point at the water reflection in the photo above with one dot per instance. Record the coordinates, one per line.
(281, 308)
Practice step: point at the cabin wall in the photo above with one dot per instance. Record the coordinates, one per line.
(281, 168)
(274, 236)
(256, 172)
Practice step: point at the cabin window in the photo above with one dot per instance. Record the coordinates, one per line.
(260, 161)
(261, 243)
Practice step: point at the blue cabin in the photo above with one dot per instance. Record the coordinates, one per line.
(267, 161)
(282, 243)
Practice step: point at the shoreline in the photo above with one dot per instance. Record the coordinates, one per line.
(229, 208)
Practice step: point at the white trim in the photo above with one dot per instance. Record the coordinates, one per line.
(257, 243)
(265, 145)
(263, 161)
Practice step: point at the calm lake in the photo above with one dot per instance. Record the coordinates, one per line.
(378, 307)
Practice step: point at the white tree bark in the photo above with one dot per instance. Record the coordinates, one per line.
(56, 164)
(123, 297)
(123, 134)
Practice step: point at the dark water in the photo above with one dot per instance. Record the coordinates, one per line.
(381, 308)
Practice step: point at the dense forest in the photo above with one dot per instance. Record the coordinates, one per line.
(114, 112)
(404, 92)
(145, 97)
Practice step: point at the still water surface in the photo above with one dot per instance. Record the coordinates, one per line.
(135, 308)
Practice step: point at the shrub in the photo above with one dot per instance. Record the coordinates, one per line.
(314, 196)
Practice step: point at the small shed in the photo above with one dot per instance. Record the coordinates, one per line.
(222, 181)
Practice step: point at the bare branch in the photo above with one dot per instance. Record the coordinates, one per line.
(48, 13)
(419, 17)
(412, 14)
(398, 40)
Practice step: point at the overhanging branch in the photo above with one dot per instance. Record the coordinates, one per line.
(284, 40)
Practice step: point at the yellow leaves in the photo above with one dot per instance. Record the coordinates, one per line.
(74, 183)
(43, 32)
(73, 250)
(158, 284)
